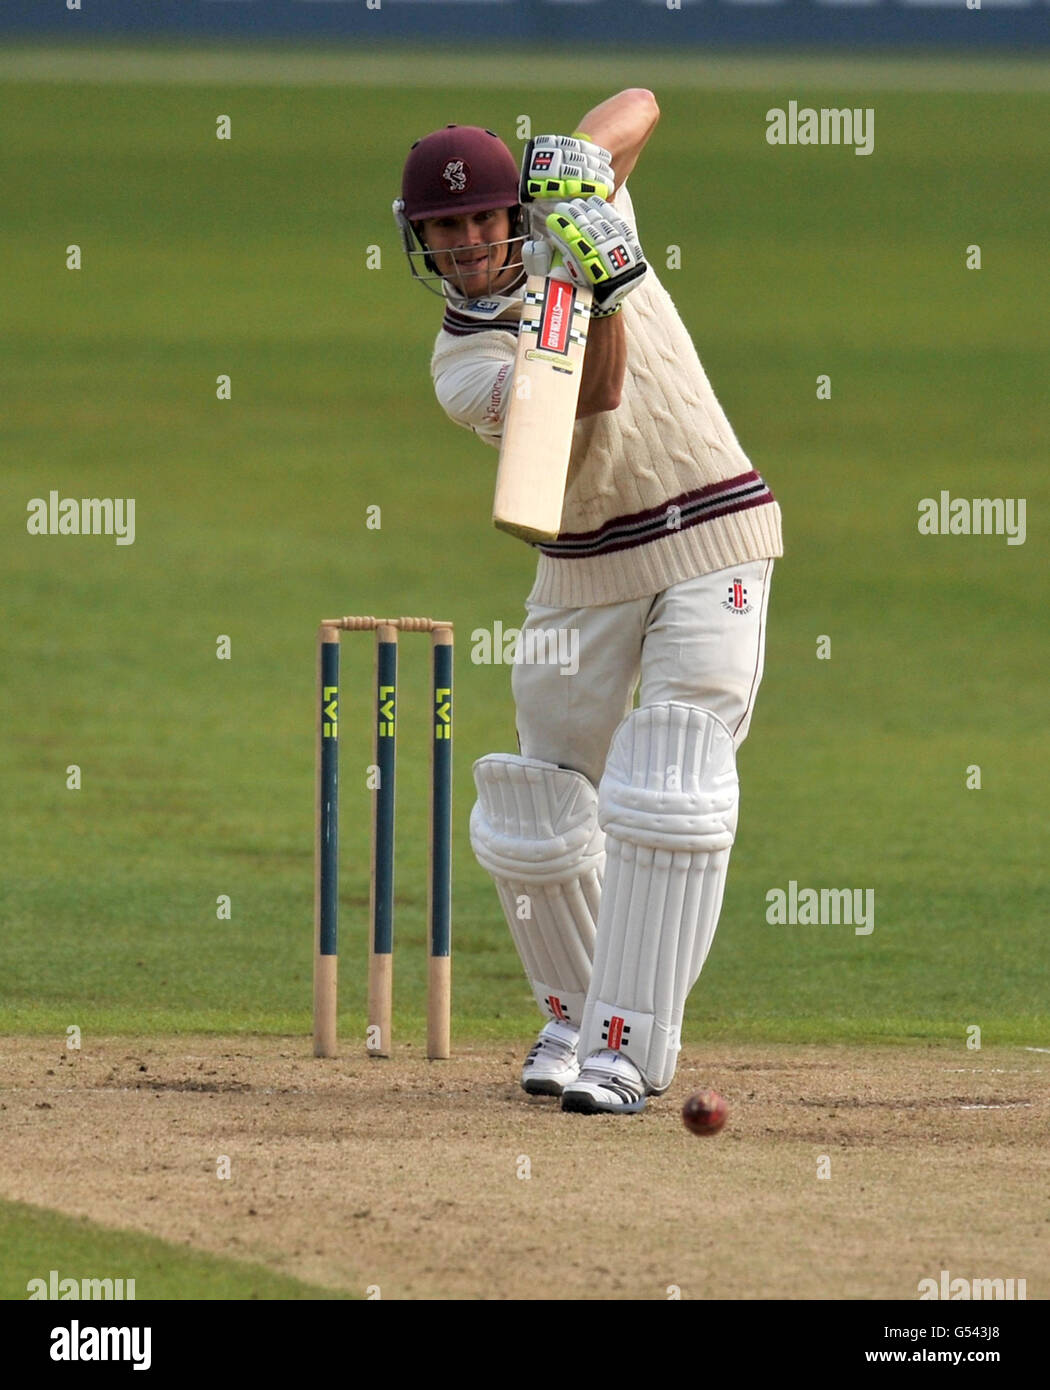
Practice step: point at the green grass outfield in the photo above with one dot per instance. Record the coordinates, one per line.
(248, 257)
(40, 1241)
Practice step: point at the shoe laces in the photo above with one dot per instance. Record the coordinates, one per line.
(550, 1043)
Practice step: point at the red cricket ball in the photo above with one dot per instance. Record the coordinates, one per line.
(704, 1112)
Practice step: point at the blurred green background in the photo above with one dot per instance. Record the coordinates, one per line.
(249, 257)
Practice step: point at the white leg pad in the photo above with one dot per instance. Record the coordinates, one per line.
(535, 829)
(668, 806)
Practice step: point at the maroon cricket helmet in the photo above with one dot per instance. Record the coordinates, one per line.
(461, 169)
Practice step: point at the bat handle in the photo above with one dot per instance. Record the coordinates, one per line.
(536, 264)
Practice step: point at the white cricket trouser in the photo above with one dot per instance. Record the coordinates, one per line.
(701, 643)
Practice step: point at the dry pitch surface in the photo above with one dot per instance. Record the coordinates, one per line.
(443, 1180)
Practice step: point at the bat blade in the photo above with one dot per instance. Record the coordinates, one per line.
(537, 430)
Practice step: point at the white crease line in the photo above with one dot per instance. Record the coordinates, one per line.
(1006, 1105)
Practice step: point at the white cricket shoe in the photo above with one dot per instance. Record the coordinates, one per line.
(607, 1084)
(552, 1063)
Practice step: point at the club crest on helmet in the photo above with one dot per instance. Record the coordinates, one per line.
(456, 174)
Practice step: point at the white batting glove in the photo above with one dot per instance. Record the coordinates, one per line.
(600, 250)
(558, 167)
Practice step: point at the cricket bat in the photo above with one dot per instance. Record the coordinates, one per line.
(537, 430)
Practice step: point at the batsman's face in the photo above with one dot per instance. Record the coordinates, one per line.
(467, 250)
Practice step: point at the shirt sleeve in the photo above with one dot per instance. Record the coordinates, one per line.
(625, 208)
(473, 382)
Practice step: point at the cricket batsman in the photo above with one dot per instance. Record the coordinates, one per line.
(608, 835)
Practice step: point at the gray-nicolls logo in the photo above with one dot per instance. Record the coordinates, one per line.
(737, 600)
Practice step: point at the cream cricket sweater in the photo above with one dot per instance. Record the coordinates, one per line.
(659, 490)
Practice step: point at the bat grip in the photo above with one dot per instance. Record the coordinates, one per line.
(558, 271)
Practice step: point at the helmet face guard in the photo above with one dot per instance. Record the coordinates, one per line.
(424, 268)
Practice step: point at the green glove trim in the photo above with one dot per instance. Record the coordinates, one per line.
(582, 247)
(564, 190)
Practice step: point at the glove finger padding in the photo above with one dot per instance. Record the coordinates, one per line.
(599, 248)
(557, 167)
